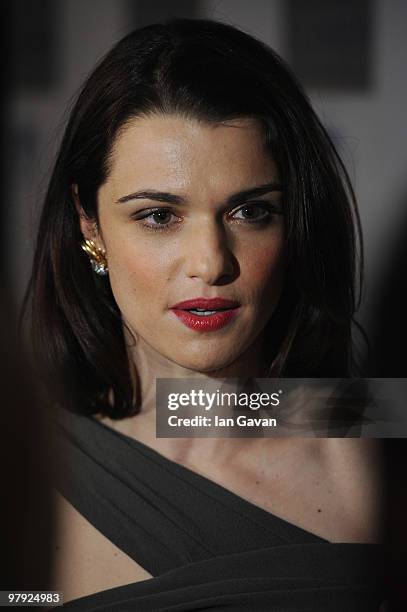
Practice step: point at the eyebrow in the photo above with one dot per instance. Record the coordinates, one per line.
(171, 198)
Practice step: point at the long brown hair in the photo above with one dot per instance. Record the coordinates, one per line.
(213, 72)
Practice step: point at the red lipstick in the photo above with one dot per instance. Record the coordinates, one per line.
(205, 314)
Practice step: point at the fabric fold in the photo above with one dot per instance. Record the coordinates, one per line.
(312, 577)
(206, 547)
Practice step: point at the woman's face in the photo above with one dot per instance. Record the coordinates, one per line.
(180, 219)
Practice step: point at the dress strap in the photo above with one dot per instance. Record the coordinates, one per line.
(158, 512)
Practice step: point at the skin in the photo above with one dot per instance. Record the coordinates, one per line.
(327, 486)
(210, 249)
(207, 249)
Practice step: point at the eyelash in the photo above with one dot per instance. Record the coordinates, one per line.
(262, 221)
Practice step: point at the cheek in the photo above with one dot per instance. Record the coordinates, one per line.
(135, 271)
(263, 269)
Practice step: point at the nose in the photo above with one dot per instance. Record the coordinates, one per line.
(208, 256)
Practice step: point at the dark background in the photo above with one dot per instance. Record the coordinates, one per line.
(350, 54)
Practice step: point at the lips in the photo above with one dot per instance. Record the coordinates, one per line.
(206, 304)
(206, 314)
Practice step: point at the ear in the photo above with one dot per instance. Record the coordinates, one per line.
(88, 225)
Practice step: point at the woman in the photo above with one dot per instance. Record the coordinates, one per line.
(199, 224)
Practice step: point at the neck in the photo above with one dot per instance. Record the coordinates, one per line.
(149, 365)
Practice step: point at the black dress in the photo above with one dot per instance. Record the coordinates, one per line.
(206, 547)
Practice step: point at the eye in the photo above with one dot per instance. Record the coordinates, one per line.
(161, 216)
(256, 212)
(156, 218)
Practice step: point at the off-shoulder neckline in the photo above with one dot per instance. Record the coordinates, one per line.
(196, 477)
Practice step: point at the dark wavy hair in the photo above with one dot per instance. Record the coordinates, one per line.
(213, 72)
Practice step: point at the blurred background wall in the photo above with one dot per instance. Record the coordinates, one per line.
(350, 55)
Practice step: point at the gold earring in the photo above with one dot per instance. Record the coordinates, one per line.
(97, 257)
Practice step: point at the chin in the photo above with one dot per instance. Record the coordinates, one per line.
(206, 365)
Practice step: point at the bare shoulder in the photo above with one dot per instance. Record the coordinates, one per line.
(355, 467)
(360, 459)
(85, 561)
(331, 487)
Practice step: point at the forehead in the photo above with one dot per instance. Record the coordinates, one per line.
(174, 152)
